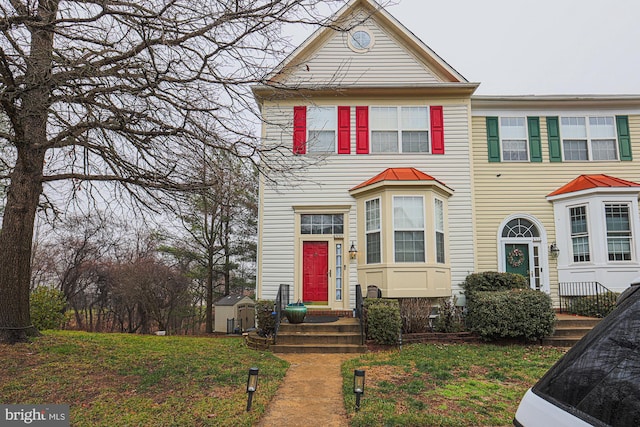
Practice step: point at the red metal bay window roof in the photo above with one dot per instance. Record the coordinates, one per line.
(588, 182)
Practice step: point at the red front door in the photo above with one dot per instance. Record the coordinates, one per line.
(315, 268)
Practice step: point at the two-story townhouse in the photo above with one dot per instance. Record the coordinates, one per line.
(382, 126)
(556, 186)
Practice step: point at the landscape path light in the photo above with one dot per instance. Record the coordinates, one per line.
(252, 385)
(358, 386)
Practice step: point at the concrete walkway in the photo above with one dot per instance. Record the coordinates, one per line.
(311, 394)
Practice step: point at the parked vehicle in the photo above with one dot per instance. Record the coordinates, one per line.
(597, 382)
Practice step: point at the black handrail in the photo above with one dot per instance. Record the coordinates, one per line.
(570, 292)
(282, 300)
(360, 311)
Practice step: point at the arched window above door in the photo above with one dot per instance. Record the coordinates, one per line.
(520, 227)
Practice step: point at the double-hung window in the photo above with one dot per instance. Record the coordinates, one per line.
(373, 231)
(513, 134)
(579, 234)
(321, 127)
(439, 226)
(588, 138)
(618, 232)
(408, 228)
(399, 129)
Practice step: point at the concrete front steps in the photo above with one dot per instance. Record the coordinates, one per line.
(341, 336)
(570, 329)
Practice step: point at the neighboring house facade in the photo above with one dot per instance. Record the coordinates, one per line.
(561, 173)
(391, 156)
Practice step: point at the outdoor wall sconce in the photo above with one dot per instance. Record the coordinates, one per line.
(252, 385)
(553, 250)
(353, 252)
(358, 386)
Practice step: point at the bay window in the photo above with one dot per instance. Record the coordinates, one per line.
(579, 234)
(373, 231)
(618, 232)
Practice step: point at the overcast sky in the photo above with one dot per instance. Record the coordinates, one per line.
(515, 47)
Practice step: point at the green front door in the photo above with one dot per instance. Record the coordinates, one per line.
(517, 259)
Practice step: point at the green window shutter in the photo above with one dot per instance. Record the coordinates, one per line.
(553, 135)
(535, 144)
(624, 137)
(493, 139)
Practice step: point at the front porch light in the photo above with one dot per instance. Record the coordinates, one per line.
(553, 250)
(353, 252)
(358, 386)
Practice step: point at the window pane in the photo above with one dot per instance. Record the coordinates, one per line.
(383, 118)
(372, 208)
(440, 247)
(575, 149)
(415, 118)
(409, 246)
(373, 248)
(514, 150)
(415, 142)
(604, 149)
(384, 142)
(321, 224)
(573, 128)
(602, 128)
(408, 213)
(321, 118)
(513, 128)
(321, 141)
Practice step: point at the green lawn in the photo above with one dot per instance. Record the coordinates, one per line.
(137, 380)
(445, 385)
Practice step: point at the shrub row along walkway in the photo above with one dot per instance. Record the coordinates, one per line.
(311, 393)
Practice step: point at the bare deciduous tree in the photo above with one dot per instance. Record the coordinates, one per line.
(120, 92)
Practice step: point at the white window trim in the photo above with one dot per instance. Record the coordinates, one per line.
(378, 230)
(526, 141)
(589, 235)
(589, 138)
(399, 129)
(423, 229)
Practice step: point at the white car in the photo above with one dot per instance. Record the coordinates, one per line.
(597, 382)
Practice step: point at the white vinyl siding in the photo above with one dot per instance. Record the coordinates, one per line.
(335, 63)
(327, 183)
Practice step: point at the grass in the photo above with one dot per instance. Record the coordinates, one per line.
(445, 385)
(137, 380)
(121, 379)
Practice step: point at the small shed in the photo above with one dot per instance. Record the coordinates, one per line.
(234, 312)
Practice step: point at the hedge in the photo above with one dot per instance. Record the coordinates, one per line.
(383, 321)
(47, 308)
(492, 281)
(517, 313)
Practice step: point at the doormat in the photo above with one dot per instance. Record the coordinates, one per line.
(320, 319)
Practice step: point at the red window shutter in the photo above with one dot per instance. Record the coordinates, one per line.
(344, 130)
(362, 130)
(437, 130)
(299, 130)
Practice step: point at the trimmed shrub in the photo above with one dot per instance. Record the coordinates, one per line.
(492, 281)
(415, 314)
(518, 313)
(383, 320)
(265, 318)
(450, 316)
(47, 308)
(592, 306)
